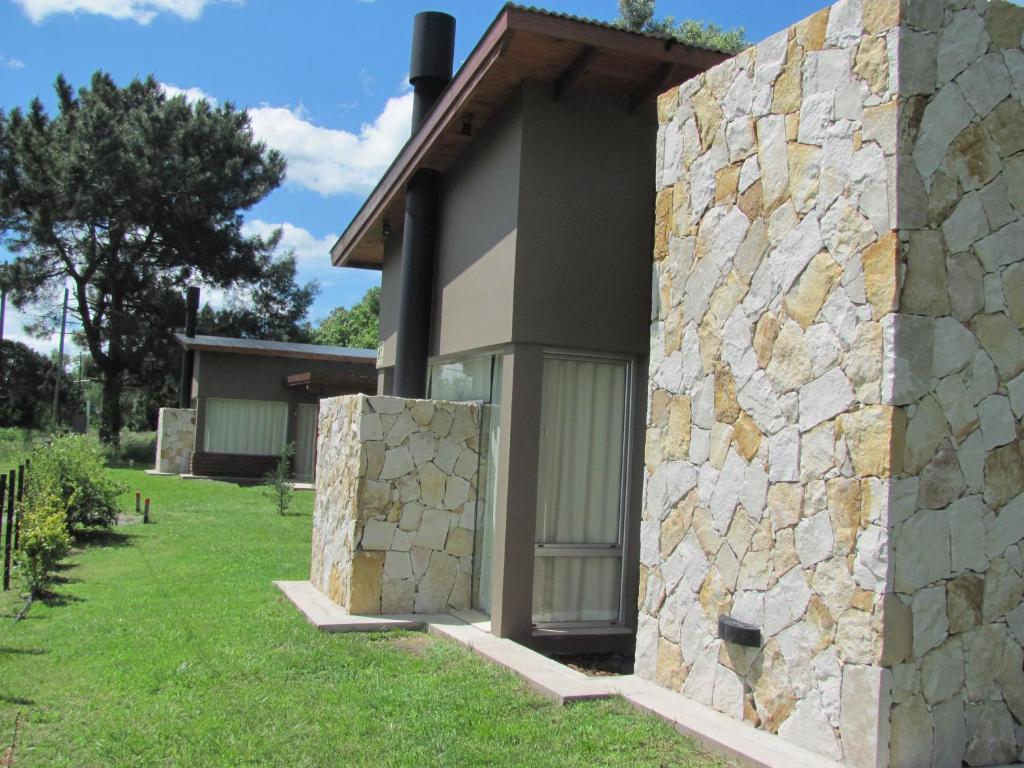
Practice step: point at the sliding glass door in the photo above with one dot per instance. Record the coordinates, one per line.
(478, 378)
(581, 490)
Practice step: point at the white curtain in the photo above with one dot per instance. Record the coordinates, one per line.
(579, 489)
(305, 441)
(253, 427)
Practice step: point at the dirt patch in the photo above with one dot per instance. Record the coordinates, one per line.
(415, 645)
(598, 664)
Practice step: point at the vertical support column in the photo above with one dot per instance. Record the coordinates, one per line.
(515, 514)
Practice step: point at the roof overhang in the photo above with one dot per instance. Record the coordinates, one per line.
(521, 44)
(258, 348)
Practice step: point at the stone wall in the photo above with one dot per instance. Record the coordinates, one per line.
(394, 514)
(957, 509)
(175, 440)
(835, 391)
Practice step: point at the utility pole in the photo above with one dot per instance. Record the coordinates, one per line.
(60, 360)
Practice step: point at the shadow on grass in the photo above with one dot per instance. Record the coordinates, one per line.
(103, 537)
(6, 650)
(17, 701)
(53, 599)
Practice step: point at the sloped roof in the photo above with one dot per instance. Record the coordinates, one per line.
(277, 349)
(522, 43)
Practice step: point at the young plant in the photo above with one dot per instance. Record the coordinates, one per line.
(277, 485)
(45, 540)
(73, 469)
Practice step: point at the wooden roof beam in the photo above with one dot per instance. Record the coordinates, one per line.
(654, 84)
(579, 67)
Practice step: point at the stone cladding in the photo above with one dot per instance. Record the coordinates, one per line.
(175, 439)
(834, 431)
(394, 515)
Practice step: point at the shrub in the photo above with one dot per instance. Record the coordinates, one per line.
(72, 468)
(277, 484)
(44, 539)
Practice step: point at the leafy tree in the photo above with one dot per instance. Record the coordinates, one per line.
(129, 195)
(638, 16)
(26, 388)
(357, 327)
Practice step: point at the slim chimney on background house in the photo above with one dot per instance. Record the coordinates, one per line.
(188, 359)
(430, 71)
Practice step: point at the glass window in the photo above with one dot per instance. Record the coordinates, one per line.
(252, 427)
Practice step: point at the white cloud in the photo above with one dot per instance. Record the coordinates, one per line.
(331, 161)
(12, 63)
(192, 95)
(311, 252)
(141, 11)
(326, 160)
(14, 323)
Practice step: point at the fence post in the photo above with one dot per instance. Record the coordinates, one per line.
(18, 511)
(145, 514)
(9, 494)
(138, 503)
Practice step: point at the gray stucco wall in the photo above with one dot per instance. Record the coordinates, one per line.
(585, 222)
(389, 295)
(477, 238)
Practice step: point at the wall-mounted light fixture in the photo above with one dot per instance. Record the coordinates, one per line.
(467, 124)
(386, 228)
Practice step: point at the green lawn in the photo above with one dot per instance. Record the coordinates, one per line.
(167, 645)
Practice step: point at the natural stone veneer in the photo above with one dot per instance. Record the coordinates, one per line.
(395, 505)
(175, 440)
(834, 442)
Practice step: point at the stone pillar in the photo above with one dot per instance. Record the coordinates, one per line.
(175, 440)
(837, 385)
(395, 506)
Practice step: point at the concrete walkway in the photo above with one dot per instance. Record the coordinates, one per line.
(714, 731)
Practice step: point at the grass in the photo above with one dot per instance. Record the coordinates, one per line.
(167, 645)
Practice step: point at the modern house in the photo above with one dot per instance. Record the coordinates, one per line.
(249, 398)
(717, 359)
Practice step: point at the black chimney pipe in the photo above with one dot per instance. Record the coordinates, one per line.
(188, 359)
(430, 71)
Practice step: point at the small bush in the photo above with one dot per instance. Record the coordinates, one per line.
(277, 485)
(44, 539)
(72, 468)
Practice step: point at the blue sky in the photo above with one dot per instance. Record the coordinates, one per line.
(324, 81)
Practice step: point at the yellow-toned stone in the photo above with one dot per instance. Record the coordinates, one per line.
(897, 630)
(784, 554)
(746, 436)
(765, 333)
(721, 439)
(881, 275)
(727, 182)
(664, 296)
(810, 33)
(924, 290)
(773, 696)
(675, 327)
(880, 15)
(670, 672)
(858, 140)
(365, 584)
(728, 295)
(792, 126)
(822, 622)
(790, 366)
(863, 600)
(677, 436)
(785, 501)
(675, 526)
(662, 223)
(704, 527)
(764, 537)
(642, 592)
(714, 596)
(806, 298)
(1004, 474)
(710, 336)
(459, 542)
(709, 116)
(668, 103)
(844, 509)
(804, 175)
(872, 63)
(789, 86)
(682, 217)
(1005, 24)
(727, 409)
(653, 443)
(751, 202)
(875, 437)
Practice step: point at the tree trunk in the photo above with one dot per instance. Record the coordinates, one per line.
(110, 413)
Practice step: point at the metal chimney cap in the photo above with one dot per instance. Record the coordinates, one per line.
(433, 46)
